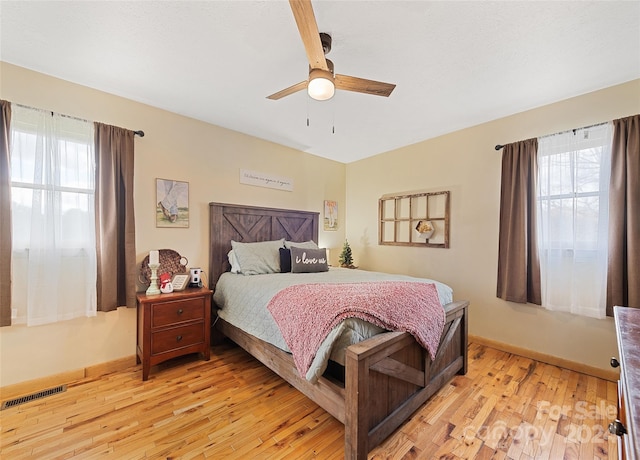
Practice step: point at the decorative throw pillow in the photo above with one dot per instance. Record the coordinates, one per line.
(305, 244)
(258, 258)
(308, 260)
(285, 260)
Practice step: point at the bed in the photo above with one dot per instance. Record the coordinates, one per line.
(383, 379)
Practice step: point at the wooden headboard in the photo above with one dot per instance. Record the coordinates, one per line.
(249, 224)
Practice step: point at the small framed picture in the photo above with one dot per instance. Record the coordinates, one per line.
(180, 281)
(172, 203)
(330, 215)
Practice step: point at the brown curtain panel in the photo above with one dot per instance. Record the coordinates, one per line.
(5, 214)
(518, 261)
(623, 271)
(115, 226)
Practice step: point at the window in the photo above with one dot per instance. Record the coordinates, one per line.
(573, 182)
(400, 216)
(53, 217)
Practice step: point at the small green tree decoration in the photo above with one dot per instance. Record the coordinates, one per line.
(346, 258)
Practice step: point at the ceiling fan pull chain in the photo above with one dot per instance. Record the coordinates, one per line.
(333, 115)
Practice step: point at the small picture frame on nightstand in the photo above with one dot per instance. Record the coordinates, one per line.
(180, 281)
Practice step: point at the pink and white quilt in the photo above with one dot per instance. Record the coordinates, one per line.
(306, 313)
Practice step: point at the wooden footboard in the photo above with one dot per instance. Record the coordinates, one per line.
(387, 378)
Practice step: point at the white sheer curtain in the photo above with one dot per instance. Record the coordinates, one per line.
(52, 186)
(573, 186)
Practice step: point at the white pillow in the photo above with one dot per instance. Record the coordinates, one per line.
(258, 258)
(233, 261)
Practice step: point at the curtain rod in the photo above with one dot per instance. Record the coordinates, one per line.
(498, 147)
(136, 133)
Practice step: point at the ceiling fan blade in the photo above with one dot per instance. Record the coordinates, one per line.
(308, 28)
(362, 85)
(290, 90)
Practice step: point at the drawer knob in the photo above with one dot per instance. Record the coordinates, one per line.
(617, 428)
(180, 311)
(614, 362)
(178, 338)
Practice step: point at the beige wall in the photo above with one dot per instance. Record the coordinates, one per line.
(174, 147)
(466, 163)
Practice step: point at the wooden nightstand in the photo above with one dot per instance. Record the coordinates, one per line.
(171, 325)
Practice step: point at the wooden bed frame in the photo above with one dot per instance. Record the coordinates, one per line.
(386, 378)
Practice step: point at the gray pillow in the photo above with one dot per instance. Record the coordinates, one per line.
(308, 260)
(258, 258)
(305, 244)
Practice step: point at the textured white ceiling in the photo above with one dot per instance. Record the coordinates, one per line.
(456, 64)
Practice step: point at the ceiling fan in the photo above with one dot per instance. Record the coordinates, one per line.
(322, 81)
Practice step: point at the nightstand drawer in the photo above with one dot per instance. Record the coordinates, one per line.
(165, 314)
(176, 338)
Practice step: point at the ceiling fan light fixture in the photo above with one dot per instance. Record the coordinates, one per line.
(321, 85)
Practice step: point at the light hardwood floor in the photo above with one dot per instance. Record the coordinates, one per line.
(232, 407)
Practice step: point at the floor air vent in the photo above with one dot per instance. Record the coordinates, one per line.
(33, 397)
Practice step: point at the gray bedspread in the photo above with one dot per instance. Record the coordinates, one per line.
(242, 301)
